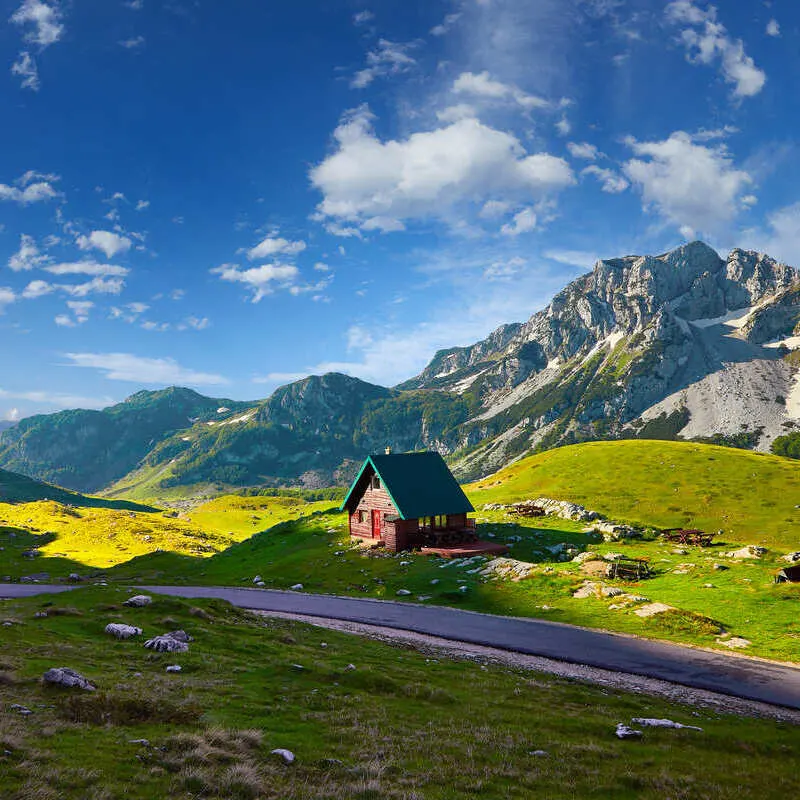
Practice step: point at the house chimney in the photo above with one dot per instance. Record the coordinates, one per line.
(388, 450)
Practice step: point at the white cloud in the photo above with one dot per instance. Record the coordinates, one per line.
(563, 127)
(37, 289)
(482, 85)
(142, 205)
(80, 310)
(611, 182)
(134, 5)
(781, 239)
(7, 296)
(134, 43)
(773, 28)
(583, 150)
(320, 267)
(195, 323)
(689, 184)
(137, 369)
(428, 173)
(45, 20)
(280, 378)
(524, 222)
(26, 192)
(25, 68)
(94, 286)
(445, 25)
(59, 400)
(362, 17)
(87, 268)
(706, 41)
(573, 258)
(12, 415)
(272, 246)
(263, 280)
(504, 270)
(28, 256)
(105, 241)
(64, 321)
(494, 208)
(388, 58)
(457, 112)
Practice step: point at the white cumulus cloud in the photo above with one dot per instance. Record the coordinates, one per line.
(367, 182)
(27, 191)
(42, 22)
(523, 222)
(388, 58)
(706, 41)
(583, 150)
(694, 186)
(773, 28)
(483, 85)
(263, 280)
(87, 267)
(107, 242)
(610, 181)
(274, 245)
(28, 256)
(138, 369)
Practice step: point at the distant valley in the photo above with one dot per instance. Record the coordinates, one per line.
(680, 345)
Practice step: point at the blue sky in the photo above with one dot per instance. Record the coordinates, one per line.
(232, 195)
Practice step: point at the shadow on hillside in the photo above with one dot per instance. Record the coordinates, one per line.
(16, 488)
(18, 559)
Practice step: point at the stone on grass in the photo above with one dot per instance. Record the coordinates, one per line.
(587, 590)
(122, 631)
(721, 567)
(648, 722)
(142, 742)
(403, 592)
(349, 667)
(611, 591)
(735, 642)
(748, 551)
(791, 557)
(463, 589)
(624, 732)
(174, 668)
(138, 601)
(68, 678)
(538, 753)
(286, 755)
(21, 709)
(404, 563)
(40, 614)
(651, 609)
(257, 579)
(298, 587)
(174, 642)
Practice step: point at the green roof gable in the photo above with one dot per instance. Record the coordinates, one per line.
(419, 484)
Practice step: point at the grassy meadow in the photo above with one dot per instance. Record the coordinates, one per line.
(365, 720)
(286, 540)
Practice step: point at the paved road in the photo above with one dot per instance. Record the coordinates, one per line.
(718, 672)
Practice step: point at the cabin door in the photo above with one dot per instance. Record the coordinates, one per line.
(376, 524)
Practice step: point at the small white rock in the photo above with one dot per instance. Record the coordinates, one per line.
(463, 589)
(624, 732)
(139, 600)
(349, 667)
(174, 668)
(286, 755)
(298, 587)
(257, 579)
(403, 592)
(121, 631)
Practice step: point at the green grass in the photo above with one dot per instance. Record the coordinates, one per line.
(400, 725)
(752, 497)
(288, 540)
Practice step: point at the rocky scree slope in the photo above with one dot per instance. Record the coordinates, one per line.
(681, 344)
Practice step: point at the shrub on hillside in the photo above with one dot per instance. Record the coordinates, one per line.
(788, 446)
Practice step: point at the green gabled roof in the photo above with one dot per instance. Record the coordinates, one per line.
(420, 485)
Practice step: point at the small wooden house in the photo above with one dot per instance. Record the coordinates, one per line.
(408, 500)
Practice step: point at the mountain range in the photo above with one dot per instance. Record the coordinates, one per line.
(680, 345)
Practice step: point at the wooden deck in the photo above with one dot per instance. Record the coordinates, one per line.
(466, 550)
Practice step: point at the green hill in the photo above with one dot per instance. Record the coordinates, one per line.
(750, 496)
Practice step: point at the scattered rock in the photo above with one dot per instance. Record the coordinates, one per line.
(651, 609)
(709, 586)
(791, 557)
(404, 563)
(122, 631)
(539, 753)
(434, 581)
(588, 589)
(298, 667)
(683, 569)
(174, 668)
(40, 614)
(142, 742)
(34, 553)
(624, 732)
(648, 722)
(587, 556)
(735, 642)
(298, 587)
(261, 584)
(37, 577)
(612, 532)
(748, 551)
(174, 642)
(463, 589)
(611, 591)
(26, 712)
(138, 601)
(423, 598)
(564, 509)
(323, 645)
(508, 569)
(403, 592)
(258, 579)
(73, 577)
(721, 567)
(286, 755)
(349, 667)
(68, 678)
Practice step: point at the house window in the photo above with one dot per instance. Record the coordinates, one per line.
(362, 516)
(376, 482)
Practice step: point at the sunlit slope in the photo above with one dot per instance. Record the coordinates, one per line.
(753, 497)
(69, 536)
